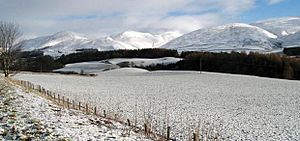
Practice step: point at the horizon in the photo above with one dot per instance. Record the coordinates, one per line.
(101, 18)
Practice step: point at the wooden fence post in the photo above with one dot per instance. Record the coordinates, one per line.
(58, 98)
(73, 104)
(168, 132)
(128, 122)
(95, 110)
(87, 108)
(146, 130)
(104, 113)
(68, 103)
(63, 101)
(195, 137)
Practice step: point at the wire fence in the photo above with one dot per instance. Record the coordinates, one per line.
(147, 128)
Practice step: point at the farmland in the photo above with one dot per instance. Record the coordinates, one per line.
(230, 107)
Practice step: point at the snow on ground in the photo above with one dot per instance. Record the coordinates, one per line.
(27, 116)
(125, 71)
(144, 61)
(99, 66)
(232, 107)
(87, 67)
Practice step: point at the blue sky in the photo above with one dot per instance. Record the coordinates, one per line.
(105, 17)
(263, 10)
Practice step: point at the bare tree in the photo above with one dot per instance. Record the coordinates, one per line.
(9, 46)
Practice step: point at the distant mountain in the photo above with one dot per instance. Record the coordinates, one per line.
(62, 40)
(230, 37)
(263, 36)
(280, 26)
(68, 42)
(140, 40)
(292, 40)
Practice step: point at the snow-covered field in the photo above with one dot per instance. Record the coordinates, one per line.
(99, 66)
(232, 107)
(27, 116)
(87, 67)
(145, 61)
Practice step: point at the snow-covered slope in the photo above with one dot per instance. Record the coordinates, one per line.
(292, 40)
(140, 40)
(280, 26)
(110, 64)
(87, 67)
(236, 36)
(144, 61)
(55, 44)
(261, 36)
(68, 42)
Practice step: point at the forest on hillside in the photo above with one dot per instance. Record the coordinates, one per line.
(266, 65)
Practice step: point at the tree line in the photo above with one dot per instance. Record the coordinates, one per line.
(103, 55)
(36, 61)
(292, 51)
(266, 65)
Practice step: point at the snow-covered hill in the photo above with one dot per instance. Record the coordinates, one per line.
(262, 36)
(280, 26)
(110, 64)
(143, 62)
(292, 40)
(55, 44)
(68, 42)
(236, 36)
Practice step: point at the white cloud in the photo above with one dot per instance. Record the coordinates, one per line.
(100, 17)
(187, 23)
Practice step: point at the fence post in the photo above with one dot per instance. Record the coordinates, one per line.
(58, 98)
(87, 108)
(104, 113)
(95, 110)
(168, 132)
(73, 104)
(146, 130)
(63, 101)
(195, 138)
(68, 103)
(128, 122)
